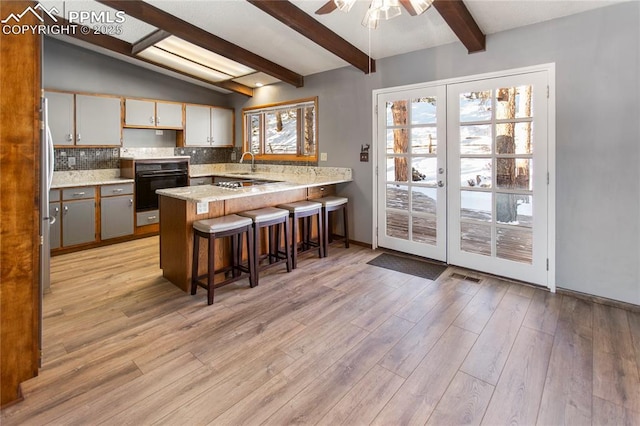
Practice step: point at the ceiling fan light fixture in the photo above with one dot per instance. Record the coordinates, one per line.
(387, 9)
(344, 5)
(371, 18)
(420, 6)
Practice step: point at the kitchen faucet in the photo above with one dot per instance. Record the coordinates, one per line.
(253, 158)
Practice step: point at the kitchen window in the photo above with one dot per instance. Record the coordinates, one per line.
(287, 131)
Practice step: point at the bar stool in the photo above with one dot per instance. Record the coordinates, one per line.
(303, 211)
(232, 226)
(271, 218)
(331, 204)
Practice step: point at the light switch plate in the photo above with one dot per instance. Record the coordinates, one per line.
(323, 156)
(159, 132)
(202, 208)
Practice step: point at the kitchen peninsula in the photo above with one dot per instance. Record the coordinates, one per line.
(180, 207)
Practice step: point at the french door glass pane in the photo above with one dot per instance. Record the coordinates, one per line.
(396, 113)
(397, 169)
(398, 225)
(475, 106)
(424, 170)
(423, 110)
(475, 172)
(523, 134)
(475, 139)
(514, 173)
(519, 100)
(475, 238)
(476, 205)
(397, 197)
(515, 244)
(423, 140)
(423, 229)
(423, 200)
(514, 209)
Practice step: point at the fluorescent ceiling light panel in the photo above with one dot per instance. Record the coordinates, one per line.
(202, 56)
(170, 60)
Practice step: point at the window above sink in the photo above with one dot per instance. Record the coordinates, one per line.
(286, 131)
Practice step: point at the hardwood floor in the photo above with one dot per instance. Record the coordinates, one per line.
(336, 341)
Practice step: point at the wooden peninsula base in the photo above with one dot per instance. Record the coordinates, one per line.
(176, 228)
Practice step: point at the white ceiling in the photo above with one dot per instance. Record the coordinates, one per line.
(241, 23)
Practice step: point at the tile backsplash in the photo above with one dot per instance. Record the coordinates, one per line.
(67, 159)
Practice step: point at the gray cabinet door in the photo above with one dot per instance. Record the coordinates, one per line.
(78, 222)
(54, 228)
(168, 114)
(197, 125)
(61, 117)
(221, 127)
(97, 120)
(139, 113)
(116, 216)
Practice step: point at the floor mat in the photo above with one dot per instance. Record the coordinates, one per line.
(415, 267)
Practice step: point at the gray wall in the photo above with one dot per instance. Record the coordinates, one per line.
(597, 57)
(69, 67)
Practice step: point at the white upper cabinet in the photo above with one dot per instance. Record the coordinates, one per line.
(221, 127)
(61, 111)
(143, 113)
(208, 126)
(76, 119)
(98, 120)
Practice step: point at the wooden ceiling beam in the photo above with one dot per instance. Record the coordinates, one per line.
(459, 19)
(124, 48)
(295, 18)
(189, 32)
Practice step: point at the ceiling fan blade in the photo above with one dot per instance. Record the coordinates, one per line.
(328, 7)
(407, 5)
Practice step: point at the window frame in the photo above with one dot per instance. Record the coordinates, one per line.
(262, 110)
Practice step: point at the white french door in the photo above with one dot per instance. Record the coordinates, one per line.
(411, 172)
(463, 173)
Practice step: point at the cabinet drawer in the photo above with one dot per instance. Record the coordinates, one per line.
(147, 218)
(54, 195)
(79, 193)
(118, 189)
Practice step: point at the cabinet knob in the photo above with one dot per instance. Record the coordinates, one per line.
(66, 209)
(130, 201)
(157, 120)
(118, 190)
(151, 120)
(78, 194)
(79, 136)
(70, 137)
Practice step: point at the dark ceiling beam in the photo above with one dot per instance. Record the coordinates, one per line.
(188, 32)
(295, 18)
(124, 48)
(459, 19)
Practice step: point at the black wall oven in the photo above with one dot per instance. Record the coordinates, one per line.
(158, 174)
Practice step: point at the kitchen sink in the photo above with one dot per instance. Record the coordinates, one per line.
(241, 183)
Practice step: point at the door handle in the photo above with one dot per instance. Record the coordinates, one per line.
(440, 183)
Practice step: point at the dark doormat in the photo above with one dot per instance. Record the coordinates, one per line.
(415, 267)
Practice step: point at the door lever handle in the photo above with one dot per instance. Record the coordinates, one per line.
(440, 183)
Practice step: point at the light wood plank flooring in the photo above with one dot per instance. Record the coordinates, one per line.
(336, 341)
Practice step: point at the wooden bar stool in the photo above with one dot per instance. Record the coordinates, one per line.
(303, 211)
(232, 226)
(273, 219)
(332, 204)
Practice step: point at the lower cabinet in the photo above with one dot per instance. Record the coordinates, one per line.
(116, 217)
(116, 211)
(78, 222)
(76, 214)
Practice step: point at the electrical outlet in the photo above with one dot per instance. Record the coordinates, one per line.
(202, 208)
(323, 156)
(159, 132)
(71, 161)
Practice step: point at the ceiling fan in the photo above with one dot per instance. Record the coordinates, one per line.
(379, 9)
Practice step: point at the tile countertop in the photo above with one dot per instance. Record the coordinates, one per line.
(87, 178)
(287, 177)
